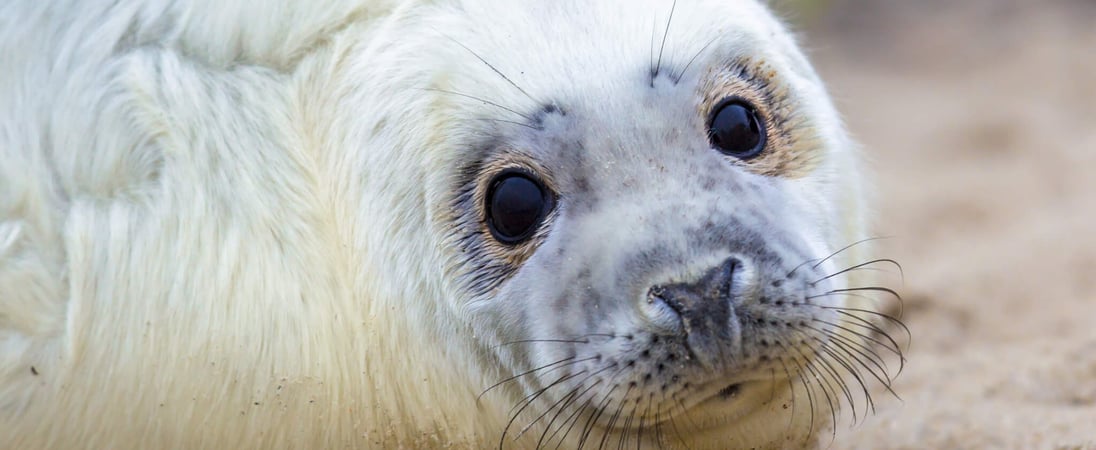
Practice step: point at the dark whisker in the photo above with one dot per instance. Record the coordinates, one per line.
(562, 403)
(852, 346)
(658, 422)
(528, 400)
(643, 419)
(896, 350)
(665, 34)
(848, 365)
(614, 417)
(846, 248)
(693, 59)
(673, 423)
(834, 375)
(853, 292)
(849, 348)
(820, 381)
(628, 426)
(564, 360)
(791, 272)
(573, 418)
(827, 388)
(848, 312)
(864, 323)
(586, 429)
(820, 261)
(870, 288)
(791, 391)
(806, 387)
(873, 329)
(488, 102)
(584, 391)
(685, 410)
(493, 68)
(858, 266)
(512, 122)
(895, 321)
(550, 408)
(528, 341)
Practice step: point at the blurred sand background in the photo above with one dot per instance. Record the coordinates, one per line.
(980, 119)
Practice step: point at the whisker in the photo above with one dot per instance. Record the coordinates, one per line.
(529, 401)
(586, 429)
(493, 68)
(853, 292)
(658, 422)
(870, 288)
(685, 410)
(643, 419)
(833, 374)
(568, 419)
(848, 347)
(887, 317)
(868, 402)
(872, 329)
(572, 359)
(575, 416)
(844, 311)
(613, 418)
(581, 340)
(820, 381)
(859, 348)
(848, 247)
(820, 261)
(861, 265)
(665, 34)
(791, 391)
(488, 102)
(866, 324)
(584, 434)
(693, 59)
(562, 404)
(628, 426)
(896, 350)
(512, 122)
(806, 387)
(673, 423)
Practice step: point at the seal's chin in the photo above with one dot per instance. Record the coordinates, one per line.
(713, 408)
(718, 405)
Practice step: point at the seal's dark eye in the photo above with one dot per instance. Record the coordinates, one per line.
(735, 129)
(516, 204)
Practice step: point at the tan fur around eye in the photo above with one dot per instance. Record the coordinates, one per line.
(793, 148)
(511, 255)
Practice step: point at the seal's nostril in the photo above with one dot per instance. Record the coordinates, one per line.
(721, 285)
(655, 294)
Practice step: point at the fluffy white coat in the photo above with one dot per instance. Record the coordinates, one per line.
(197, 197)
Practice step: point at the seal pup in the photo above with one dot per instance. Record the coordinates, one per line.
(448, 223)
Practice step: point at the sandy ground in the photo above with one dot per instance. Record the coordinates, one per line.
(980, 118)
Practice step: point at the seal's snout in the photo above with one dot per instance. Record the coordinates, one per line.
(704, 303)
(705, 308)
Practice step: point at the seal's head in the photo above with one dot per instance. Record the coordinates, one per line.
(642, 217)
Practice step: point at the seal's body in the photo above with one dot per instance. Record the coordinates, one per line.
(456, 223)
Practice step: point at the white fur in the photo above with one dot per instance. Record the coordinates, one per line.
(218, 219)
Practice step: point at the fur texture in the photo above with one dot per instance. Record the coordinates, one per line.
(229, 225)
